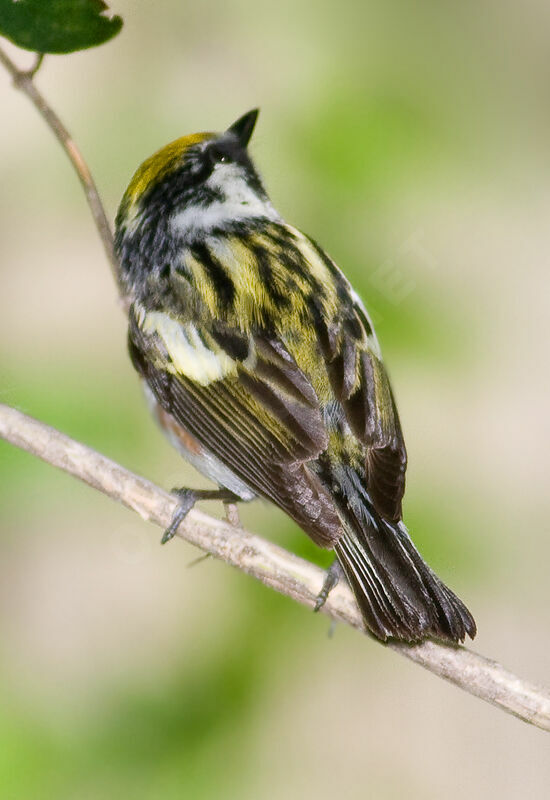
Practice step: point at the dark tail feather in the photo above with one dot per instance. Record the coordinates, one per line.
(397, 592)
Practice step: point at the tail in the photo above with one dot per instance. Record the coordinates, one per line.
(397, 592)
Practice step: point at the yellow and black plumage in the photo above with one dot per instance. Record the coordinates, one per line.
(262, 366)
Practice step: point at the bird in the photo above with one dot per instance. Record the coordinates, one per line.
(261, 364)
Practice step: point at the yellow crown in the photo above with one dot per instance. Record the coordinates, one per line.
(157, 166)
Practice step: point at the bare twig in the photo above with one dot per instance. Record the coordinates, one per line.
(270, 564)
(36, 66)
(23, 80)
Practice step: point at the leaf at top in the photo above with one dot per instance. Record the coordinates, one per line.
(57, 26)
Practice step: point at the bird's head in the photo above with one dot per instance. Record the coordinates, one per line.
(199, 182)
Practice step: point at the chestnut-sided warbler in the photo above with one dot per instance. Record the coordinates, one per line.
(262, 366)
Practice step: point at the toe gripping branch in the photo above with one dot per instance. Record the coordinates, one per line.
(332, 576)
(188, 498)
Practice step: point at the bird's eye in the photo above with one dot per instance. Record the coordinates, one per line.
(217, 156)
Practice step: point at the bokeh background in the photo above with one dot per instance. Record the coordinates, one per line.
(412, 140)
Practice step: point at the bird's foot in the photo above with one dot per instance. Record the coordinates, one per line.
(188, 498)
(332, 577)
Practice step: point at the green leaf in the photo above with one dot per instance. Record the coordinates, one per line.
(57, 26)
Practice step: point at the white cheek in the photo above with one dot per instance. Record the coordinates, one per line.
(228, 179)
(240, 202)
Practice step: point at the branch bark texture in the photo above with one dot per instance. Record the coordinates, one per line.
(277, 568)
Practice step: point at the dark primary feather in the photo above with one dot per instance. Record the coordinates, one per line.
(397, 591)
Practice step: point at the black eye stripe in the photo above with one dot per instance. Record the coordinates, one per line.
(215, 156)
(226, 150)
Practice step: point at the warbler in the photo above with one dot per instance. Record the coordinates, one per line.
(261, 364)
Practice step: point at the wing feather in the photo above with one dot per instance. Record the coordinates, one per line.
(263, 431)
(359, 380)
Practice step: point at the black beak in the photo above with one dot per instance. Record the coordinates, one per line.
(244, 126)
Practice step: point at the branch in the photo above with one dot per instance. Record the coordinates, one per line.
(23, 80)
(282, 571)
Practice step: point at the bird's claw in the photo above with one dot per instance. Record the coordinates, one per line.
(188, 498)
(332, 577)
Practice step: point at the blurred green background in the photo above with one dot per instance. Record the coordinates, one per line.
(411, 139)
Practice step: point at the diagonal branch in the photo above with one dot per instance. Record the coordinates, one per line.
(282, 571)
(23, 80)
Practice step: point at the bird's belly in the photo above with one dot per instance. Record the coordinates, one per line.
(194, 452)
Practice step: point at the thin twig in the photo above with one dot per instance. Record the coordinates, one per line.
(23, 80)
(36, 66)
(270, 564)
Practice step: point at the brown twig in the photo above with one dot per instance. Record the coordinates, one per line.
(24, 80)
(270, 564)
